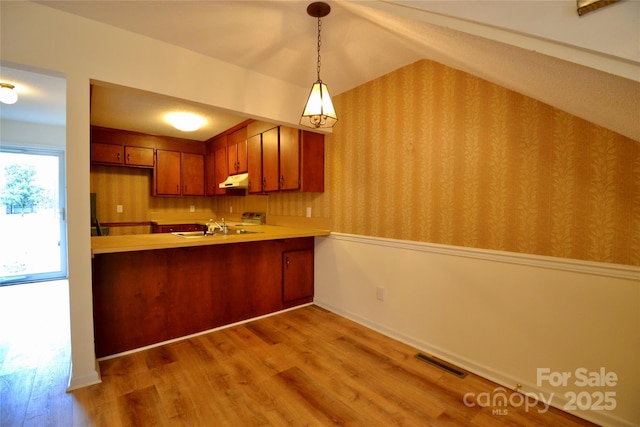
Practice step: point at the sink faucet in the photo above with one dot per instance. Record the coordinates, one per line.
(222, 227)
(213, 226)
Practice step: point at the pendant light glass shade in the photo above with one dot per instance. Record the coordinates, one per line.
(319, 111)
(8, 93)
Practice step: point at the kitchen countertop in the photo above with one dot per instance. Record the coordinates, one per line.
(142, 242)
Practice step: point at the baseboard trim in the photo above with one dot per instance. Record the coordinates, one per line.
(84, 381)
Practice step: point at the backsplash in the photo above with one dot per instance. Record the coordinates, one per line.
(131, 188)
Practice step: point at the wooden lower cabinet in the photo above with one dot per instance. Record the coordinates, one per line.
(297, 275)
(146, 297)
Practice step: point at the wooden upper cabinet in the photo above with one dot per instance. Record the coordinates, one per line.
(270, 160)
(121, 155)
(285, 159)
(289, 159)
(209, 174)
(192, 174)
(311, 162)
(179, 173)
(237, 151)
(106, 153)
(221, 172)
(215, 164)
(216, 167)
(167, 173)
(254, 163)
(138, 156)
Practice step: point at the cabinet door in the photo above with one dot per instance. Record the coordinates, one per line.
(221, 172)
(167, 173)
(297, 274)
(216, 165)
(192, 174)
(270, 161)
(209, 174)
(254, 157)
(242, 154)
(289, 159)
(237, 151)
(138, 156)
(311, 162)
(106, 153)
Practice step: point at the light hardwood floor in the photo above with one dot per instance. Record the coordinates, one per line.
(306, 367)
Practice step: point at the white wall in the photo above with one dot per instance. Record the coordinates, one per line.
(498, 314)
(32, 135)
(41, 37)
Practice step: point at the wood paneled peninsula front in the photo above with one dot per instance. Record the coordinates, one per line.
(151, 288)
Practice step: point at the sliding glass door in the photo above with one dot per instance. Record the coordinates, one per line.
(33, 245)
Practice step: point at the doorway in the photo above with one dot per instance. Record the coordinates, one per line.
(32, 215)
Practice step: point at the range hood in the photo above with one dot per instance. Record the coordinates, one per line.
(236, 181)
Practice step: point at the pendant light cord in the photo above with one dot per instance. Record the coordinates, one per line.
(319, 43)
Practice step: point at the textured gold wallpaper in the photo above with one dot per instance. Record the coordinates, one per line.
(429, 153)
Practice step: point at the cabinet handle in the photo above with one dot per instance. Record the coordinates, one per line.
(286, 260)
(177, 188)
(128, 157)
(118, 156)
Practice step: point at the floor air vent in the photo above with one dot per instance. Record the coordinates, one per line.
(442, 365)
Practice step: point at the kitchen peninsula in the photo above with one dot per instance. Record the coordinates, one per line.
(151, 288)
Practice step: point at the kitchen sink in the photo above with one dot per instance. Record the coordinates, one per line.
(242, 231)
(200, 234)
(189, 234)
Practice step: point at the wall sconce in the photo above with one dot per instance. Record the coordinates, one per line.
(319, 111)
(8, 94)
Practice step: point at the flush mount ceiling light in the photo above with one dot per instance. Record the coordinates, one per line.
(319, 111)
(8, 94)
(186, 122)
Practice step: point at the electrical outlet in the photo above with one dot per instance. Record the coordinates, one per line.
(119, 208)
(380, 293)
(309, 212)
(192, 208)
(230, 209)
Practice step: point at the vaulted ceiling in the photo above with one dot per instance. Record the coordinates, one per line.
(587, 65)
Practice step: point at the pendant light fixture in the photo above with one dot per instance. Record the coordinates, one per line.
(8, 93)
(319, 111)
